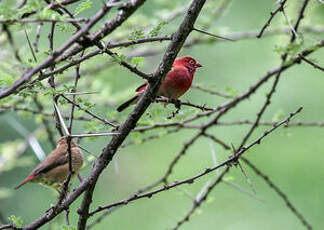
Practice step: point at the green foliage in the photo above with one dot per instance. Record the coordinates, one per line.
(7, 9)
(82, 7)
(137, 60)
(6, 80)
(291, 49)
(68, 28)
(51, 14)
(118, 58)
(93, 126)
(16, 221)
(136, 34)
(70, 227)
(232, 92)
(156, 30)
(32, 5)
(278, 116)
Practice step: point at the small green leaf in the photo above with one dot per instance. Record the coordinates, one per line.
(137, 60)
(278, 116)
(156, 30)
(210, 199)
(17, 221)
(118, 58)
(136, 34)
(70, 227)
(82, 7)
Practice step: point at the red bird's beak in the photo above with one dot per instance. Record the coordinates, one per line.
(198, 65)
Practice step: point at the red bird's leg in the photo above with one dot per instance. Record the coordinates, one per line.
(176, 102)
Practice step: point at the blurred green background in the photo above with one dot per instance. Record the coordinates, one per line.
(292, 157)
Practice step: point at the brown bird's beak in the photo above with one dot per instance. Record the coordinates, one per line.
(198, 65)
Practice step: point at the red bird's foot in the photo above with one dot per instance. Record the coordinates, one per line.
(177, 103)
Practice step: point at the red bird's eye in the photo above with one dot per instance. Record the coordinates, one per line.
(191, 62)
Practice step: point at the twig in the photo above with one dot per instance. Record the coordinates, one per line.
(289, 23)
(212, 92)
(89, 112)
(94, 134)
(61, 119)
(30, 46)
(311, 63)
(191, 180)
(31, 20)
(272, 15)
(38, 31)
(200, 199)
(168, 101)
(279, 192)
(213, 35)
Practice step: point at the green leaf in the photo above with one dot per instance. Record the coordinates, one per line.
(7, 80)
(118, 58)
(47, 13)
(136, 34)
(70, 227)
(66, 28)
(137, 60)
(156, 30)
(82, 7)
(278, 116)
(17, 221)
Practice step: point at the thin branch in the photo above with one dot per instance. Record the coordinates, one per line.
(178, 102)
(89, 112)
(213, 35)
(200, 199)
(191, 180)
(36, 20)
(212, 92)
(311, 63)
(272, 15)
(280, 193)
(30, 46)
(61, 119)
(51, 58)
(94, 134)
(289, 23)
(38, 31)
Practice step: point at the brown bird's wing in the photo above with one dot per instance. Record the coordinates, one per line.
(51, 162)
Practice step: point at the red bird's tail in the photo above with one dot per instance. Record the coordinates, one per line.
(25, 181)
(127, 103)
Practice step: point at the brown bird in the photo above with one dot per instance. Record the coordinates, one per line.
(55, 168)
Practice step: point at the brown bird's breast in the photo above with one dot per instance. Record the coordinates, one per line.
(60, 173)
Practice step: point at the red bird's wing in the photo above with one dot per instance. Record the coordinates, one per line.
(176, 83)
(141, 87)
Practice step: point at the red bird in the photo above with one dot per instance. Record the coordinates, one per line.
(174, 85)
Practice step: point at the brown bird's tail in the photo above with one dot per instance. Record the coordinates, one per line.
(127, 103)
(25, 181)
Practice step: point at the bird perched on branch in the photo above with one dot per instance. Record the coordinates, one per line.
(174, 85)
(55, 168)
